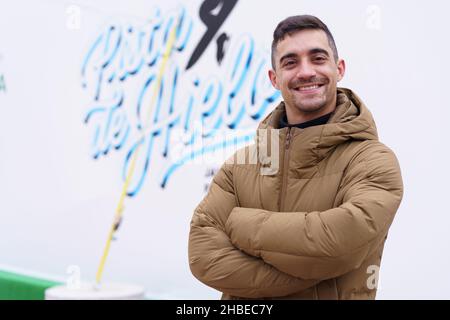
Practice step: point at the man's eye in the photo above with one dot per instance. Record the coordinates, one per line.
(289, 63)
(319, 59)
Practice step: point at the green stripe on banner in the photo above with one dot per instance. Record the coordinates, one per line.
(15, 286)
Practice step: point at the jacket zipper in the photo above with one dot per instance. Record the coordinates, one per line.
(285, 169)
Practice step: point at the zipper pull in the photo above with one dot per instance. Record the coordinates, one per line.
(288, 138)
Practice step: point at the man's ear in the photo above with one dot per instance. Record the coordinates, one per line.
(340, 69)
(273, 79)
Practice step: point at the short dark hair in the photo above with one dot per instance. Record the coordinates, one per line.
(293, 24)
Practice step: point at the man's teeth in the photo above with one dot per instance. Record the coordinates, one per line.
(308, 87)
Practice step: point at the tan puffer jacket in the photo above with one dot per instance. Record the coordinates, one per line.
(314, 229)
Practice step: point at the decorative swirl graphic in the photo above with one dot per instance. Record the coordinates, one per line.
(192, 114)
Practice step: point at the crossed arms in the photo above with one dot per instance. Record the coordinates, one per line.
(255, 253)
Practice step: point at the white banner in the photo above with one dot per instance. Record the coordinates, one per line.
(85, 87)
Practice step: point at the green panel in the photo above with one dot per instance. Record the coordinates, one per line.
(14, 286)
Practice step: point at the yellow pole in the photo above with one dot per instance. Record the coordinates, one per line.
(120, 208)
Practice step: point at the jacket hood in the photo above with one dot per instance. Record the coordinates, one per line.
(351, 120)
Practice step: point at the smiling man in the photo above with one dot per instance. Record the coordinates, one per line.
(315, 228)
(306, 69)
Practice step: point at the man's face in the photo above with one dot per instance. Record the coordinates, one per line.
(306, 73)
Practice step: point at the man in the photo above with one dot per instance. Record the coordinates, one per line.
(315, 228)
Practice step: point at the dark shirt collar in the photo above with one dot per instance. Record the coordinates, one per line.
(314, 122)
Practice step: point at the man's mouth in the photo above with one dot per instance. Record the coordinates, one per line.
(309, 88)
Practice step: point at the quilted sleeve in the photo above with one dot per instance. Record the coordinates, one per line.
(327, 244)
(216, 262)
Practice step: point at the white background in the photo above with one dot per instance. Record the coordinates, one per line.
(57, 203)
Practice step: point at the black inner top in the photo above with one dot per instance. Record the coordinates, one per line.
(314, 122)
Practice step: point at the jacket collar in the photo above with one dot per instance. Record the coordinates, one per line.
(351, 120)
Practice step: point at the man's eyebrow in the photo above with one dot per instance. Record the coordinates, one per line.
(319, 50)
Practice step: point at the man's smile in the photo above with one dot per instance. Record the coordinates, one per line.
(309, 88)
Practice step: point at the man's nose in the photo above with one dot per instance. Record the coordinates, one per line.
(306, 70)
